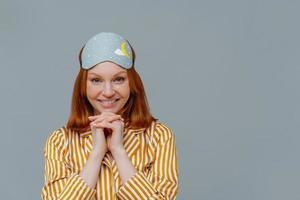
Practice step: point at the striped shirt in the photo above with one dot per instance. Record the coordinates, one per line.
(152, 152)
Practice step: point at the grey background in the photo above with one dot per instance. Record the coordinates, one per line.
(224, 75)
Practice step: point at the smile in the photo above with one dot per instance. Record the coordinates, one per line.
(108, 103)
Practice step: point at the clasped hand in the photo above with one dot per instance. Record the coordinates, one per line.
(107, 132)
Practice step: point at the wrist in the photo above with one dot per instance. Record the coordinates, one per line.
(116, 152)
(97, 154)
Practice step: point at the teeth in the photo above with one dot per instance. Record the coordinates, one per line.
(107, 102)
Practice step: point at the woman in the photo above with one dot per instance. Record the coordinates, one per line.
(111, 147)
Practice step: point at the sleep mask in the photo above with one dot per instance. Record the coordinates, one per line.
(107, 46)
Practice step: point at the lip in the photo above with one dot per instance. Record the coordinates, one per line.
(107, 103)
(107, 99)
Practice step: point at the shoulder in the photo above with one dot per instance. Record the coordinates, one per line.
(57, 136)
(56, 141)
(161, 132)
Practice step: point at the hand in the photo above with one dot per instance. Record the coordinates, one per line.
(97, 127)
(112, 125)
(100, 145)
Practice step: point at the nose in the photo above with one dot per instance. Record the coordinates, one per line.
(108, 90)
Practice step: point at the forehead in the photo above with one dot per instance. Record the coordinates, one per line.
(106, 69)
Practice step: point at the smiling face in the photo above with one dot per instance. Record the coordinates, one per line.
(107, 87)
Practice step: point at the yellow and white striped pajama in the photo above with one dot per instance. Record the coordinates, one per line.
(151, 150)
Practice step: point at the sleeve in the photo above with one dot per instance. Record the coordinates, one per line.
(60, 182)
(162, 181)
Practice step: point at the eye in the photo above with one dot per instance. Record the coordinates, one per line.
(119, 79)
(95, 80)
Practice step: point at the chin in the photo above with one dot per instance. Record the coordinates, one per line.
(113, 110)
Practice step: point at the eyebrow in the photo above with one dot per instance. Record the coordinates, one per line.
(121, 72)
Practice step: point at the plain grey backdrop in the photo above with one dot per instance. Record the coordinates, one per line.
(224, 75)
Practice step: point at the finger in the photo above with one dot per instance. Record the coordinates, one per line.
(91, 118)
(94, 127)
(102, 115)
(108, 125)
(96, 116)
(104, 124)
(113, 118)
(109, 119)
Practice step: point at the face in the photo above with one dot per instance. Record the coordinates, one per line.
(107, 87)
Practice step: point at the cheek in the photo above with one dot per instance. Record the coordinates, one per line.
(125, 91)
(91, 91)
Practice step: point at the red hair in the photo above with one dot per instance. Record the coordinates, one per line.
(135, 112)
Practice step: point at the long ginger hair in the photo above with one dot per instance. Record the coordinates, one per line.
(135, 112)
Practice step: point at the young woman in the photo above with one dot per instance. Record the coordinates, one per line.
(111, 147)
